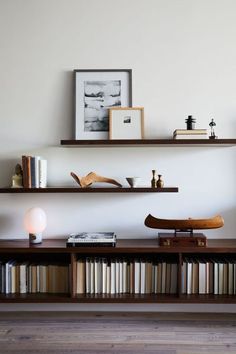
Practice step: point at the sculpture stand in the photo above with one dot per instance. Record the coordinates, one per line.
(182, 239)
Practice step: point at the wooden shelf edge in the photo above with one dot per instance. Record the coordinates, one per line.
(89, 190)
(154, 142)
(121, 298)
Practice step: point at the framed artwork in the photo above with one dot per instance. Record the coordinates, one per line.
(95, 92)
(126, 123)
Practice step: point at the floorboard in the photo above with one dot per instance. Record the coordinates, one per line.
(128, 333)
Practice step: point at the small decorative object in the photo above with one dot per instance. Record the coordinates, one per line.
(126, 123)
(212, 124)
(153, 180)
(160, 182)
(183, 230)
(133, 181)
(95, 92)
(35, 222)
(190, 121)
(92, 177)
(17, 178)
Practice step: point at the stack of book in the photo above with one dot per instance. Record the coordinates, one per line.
(122, 276)
(215, 276)
(190, 134)
(25, 277)
(92, 239)
(34, 172)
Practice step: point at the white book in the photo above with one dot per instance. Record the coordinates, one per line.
(202, 277)
(36, 160)
(221, 278)
(187, 137)
(189, 277)
(23, 278)
(125, 284)
(100, 276)
(117, 277)
(92, 277)
(88, 275)
(104, 276)
(143, 277)
(128, 278)
(216, 278)
(137, 273)
(42, 173)
(80, 276)
(113, 277)
(108, 289)
(121, 276)
(96, 281)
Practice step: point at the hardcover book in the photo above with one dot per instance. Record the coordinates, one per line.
(89, 239)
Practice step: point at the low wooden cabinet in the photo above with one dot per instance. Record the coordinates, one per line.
(55, 250)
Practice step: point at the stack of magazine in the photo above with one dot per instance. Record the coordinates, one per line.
(92, 239)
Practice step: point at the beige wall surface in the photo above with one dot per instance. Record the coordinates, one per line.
(183, 57)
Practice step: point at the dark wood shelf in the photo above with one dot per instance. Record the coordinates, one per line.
(90, 190)
(123, 246)
(133, 248)
(149, 142)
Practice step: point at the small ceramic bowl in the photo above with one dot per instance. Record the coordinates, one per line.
(133, 181)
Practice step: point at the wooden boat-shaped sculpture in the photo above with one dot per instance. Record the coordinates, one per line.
(183, 226)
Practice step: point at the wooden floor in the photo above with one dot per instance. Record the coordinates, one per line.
(71, 332)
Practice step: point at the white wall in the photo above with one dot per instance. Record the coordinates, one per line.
(183, 57)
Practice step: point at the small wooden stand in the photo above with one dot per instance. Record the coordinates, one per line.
(182, 240)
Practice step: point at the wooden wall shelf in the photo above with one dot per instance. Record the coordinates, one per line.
(148, 142)
(90, 190)
(133, 248)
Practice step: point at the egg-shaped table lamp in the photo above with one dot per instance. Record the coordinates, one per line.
(35, 222)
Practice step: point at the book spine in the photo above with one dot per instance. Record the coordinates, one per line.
(33, 172)
(42, 173)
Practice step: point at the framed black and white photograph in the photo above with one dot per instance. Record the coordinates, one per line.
(126, 123)
(95, 92)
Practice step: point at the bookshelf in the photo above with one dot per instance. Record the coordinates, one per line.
(140, 248)
(89, 190)
(148, 142)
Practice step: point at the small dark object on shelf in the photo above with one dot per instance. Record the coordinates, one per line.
(190, 121)
(160, 182)
(212, 124)
(153, 180)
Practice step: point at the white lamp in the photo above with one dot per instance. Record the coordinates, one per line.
(35, 222)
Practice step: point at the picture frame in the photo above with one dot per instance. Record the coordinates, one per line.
(95, 92)
(126, 123)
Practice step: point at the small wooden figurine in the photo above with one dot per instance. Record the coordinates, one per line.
(17, 178)
(91, 178)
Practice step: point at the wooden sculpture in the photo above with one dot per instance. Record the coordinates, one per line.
(184, 224)
(183, 230)
(92, 177)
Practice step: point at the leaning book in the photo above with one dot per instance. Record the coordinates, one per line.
(92, 239)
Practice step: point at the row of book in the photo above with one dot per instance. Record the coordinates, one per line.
(16, 277)
(120, 276)
(34, 172)
(209, 277)
(185, 134)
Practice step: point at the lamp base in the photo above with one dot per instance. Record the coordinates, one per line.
(35, 238)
